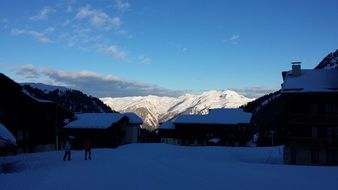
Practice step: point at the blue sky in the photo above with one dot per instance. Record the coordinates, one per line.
(140, 47)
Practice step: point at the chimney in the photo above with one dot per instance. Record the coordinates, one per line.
(296, 69)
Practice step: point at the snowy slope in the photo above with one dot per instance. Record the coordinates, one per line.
(165, 167)
(154, 109)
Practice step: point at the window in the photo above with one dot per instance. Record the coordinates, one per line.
(329, 132)
(328, 108)
(314, 108)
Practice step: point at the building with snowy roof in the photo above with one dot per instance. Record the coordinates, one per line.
(167, 133)
(34, 123)
(310, 99)
(104, 129)
(230, 126)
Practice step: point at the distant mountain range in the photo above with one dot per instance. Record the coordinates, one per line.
(155, 109)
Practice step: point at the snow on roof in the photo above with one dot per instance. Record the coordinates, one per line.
(95, 120)
(214, 140)
(5, 135)
(133, 118)
(221, 116)
(317, 80)
(167, 125)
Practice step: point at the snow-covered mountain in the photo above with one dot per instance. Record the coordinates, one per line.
(155, 109)
(329, 62)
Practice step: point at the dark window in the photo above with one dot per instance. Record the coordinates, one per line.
(335, 108)
(329, 132)
(314, 132)
(328, 108)
(314, 108)
(335, 132)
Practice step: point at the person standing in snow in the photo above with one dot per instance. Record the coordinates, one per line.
(68, 148)
(87, 147)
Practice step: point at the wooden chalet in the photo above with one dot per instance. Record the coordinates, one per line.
(34, 123)
(226, 127)
(103, 129)
(167, 133)
(311, 116)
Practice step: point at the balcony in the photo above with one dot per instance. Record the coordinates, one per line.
(316, 119)
(310, 141)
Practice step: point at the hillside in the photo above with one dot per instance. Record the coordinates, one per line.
(329, 62)
(155, 109)
(74, 100)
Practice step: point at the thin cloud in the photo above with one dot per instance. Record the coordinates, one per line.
(43, 14)
(254, 92)
(234, 39)
(40, 36)
(95, 84)
(122, 5)
(28, 71)
(144, 60)
(97, 18)
(112, 50)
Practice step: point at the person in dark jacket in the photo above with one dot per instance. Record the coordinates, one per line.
(87, 147)
(68, 148)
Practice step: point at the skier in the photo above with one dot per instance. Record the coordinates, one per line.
(87, 147)
(68, 148)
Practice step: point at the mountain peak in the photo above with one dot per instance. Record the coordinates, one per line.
(156, 109)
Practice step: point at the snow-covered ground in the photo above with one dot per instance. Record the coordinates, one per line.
(161, 166)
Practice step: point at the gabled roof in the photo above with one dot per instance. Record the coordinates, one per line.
(167, 125)
(220, 116)
(317, 80)
(133, 118)
(95, 120)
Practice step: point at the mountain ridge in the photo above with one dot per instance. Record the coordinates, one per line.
(157, 109)
(74, 100)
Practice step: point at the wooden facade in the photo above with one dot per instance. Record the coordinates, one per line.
(34, 123)
(110, 137)
(224, 127)
(311, 122)
(104, 130)
(310, 116)
(201, 134)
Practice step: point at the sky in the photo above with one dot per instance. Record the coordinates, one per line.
(122, 48)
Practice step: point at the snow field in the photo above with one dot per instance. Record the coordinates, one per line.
(161, 166)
